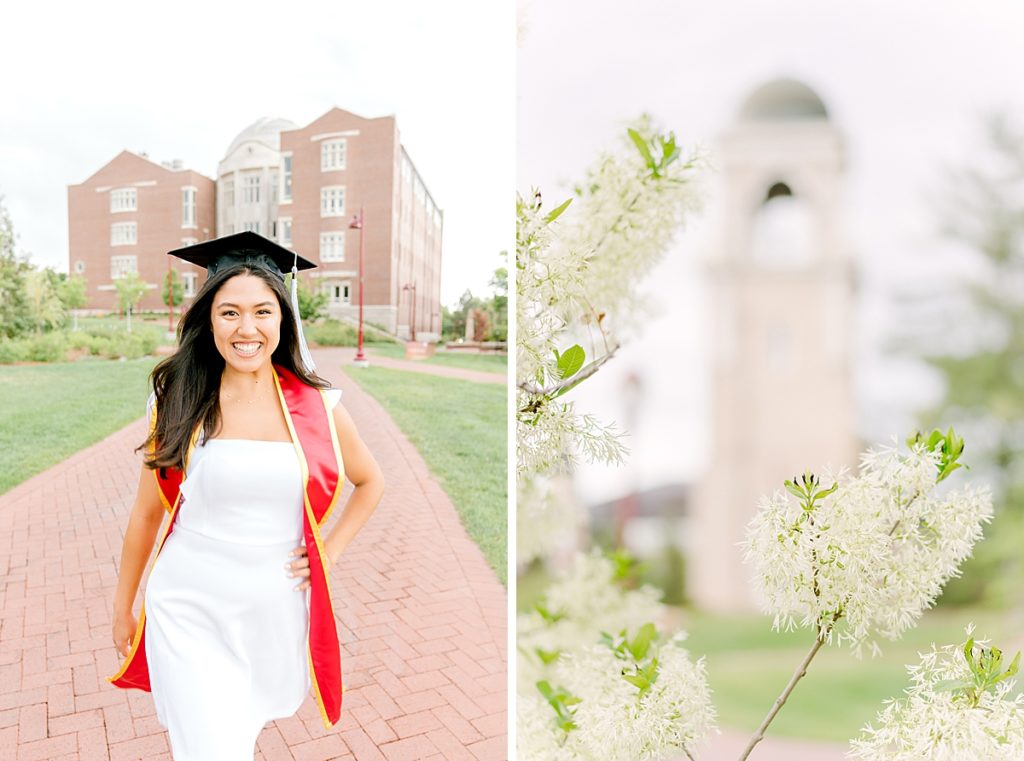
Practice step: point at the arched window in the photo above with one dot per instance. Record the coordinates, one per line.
(781, 234)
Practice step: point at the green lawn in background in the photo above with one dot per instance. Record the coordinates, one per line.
(460, 429)
(748, 666)
(487, 363)
(50, 411)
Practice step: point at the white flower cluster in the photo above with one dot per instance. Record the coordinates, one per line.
(935, 723)
(548, 516)
(871, 556)
(586, 602)
(576, 278)
(615, 720)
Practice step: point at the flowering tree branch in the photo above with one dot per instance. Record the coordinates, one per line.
(800, 673)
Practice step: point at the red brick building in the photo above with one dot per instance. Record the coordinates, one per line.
(299, 186)
(303, 186)
(127, 216)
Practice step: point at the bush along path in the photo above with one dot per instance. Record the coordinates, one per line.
(421, 618)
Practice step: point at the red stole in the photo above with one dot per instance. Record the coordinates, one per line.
(311, 425)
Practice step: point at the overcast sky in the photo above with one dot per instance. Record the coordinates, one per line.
(904, 82)
(83, 81)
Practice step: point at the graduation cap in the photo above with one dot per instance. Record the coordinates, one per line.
(254, 250)
(242, 248)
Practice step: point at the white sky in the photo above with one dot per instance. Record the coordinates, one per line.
(904, 82)
(82, 81)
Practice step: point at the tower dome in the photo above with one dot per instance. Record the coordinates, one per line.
(266, 130)
(782, 100)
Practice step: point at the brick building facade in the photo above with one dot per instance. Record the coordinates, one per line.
(127, 216)
(299, 186)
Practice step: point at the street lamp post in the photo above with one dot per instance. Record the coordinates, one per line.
(357, 224)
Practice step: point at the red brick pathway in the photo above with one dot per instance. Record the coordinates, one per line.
(422, 620)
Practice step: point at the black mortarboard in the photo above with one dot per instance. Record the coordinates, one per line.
(248, 247)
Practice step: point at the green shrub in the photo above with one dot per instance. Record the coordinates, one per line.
(332, 333)
(47, 347)
(121, 343)
(13, 351)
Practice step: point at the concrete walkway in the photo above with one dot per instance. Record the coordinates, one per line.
(422, 619)
(345, 355)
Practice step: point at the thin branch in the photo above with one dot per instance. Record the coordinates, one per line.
(780, 701)
(687, 752)
(579, 377)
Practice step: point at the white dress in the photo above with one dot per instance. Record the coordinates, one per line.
(226, 634)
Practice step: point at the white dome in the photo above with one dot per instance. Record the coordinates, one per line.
(782, 100)
(266, 130)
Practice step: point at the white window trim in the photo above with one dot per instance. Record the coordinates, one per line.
(342, 133)
(340, 236)
(281, 201)
(124, 240)
(324, 155)
(134, 195)
(193, 224)
(189, 280)
(123, 259)
(280, 229)
(341, 211)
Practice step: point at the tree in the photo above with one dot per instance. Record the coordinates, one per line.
(130, 290)
(41, 291)
(311, 303)
(72, 293)
(978, 349)
(177, 290)
(15, 310)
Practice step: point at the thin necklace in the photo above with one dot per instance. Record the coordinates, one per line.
(233, 398)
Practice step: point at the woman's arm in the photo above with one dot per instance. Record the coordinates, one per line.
(364, 473)
(143, 523)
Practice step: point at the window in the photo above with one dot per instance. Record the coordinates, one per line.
(124, 199)
(120, 266)
(124, 234)
(188, 207)
(188, 279)
(338, 293)
(286, 178)
(284, 231)
(79, 267)
(228, 190)
(274, 175)
(332, 155)
(332, 247)
(251, 227)
(332, 201)
(251, 187)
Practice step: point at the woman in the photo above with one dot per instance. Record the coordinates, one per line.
(247, 451)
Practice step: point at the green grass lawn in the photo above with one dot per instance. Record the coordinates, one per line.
(487, 363)
(49, 412)
(460, 429)
(748, 666)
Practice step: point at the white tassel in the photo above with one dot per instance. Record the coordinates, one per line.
(307, 358)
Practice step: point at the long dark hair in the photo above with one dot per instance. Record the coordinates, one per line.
(187, 383)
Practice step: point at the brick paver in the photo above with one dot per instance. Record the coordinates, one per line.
(422, 618)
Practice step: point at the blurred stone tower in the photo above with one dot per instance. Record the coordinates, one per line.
(781, 316)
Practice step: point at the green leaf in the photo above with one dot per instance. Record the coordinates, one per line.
(641, 145)
(637, 681)
(557, 212)
(571, 360)
(642, 641)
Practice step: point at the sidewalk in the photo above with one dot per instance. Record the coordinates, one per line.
(422, 619)
(344, 355)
